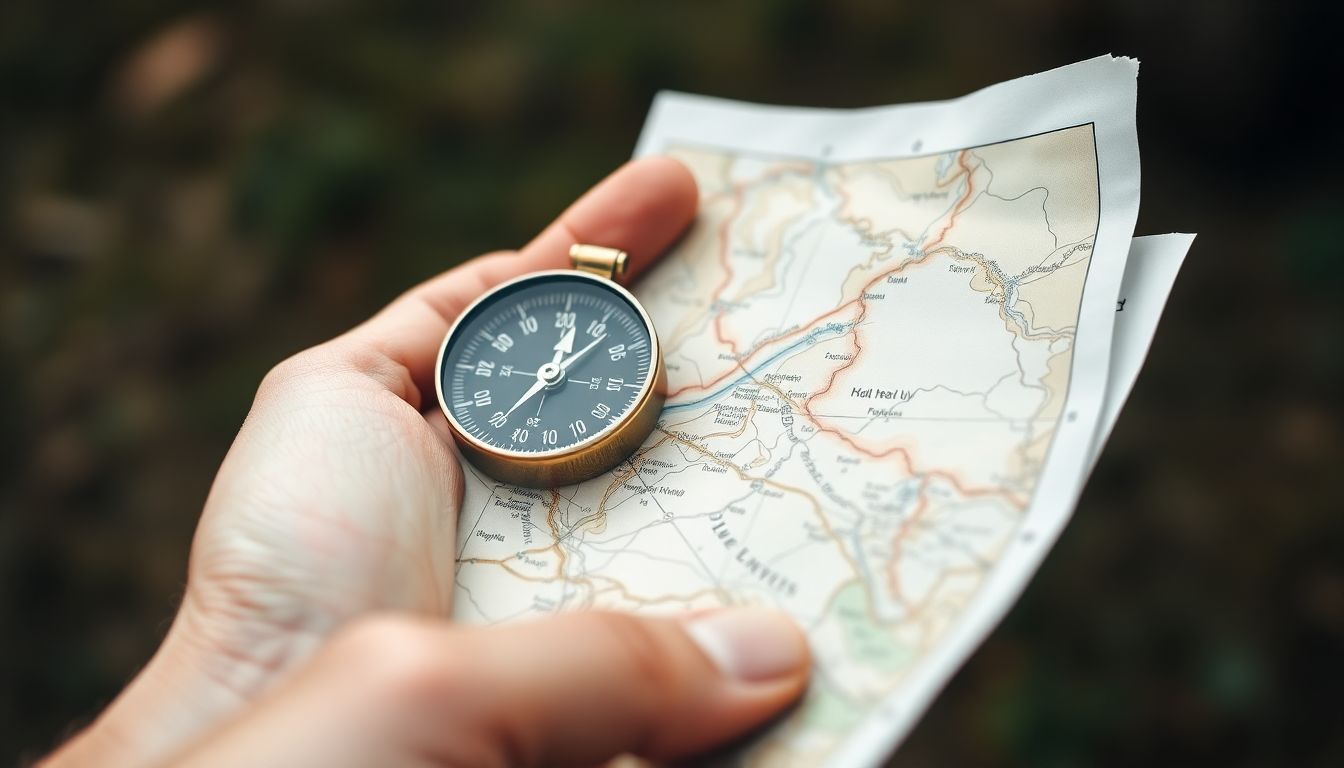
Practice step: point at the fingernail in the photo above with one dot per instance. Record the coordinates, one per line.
(751, 644)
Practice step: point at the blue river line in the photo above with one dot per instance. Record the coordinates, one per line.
(830, 329)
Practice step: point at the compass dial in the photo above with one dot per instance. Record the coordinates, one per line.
(546, 364)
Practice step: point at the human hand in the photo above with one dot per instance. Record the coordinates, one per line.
(575, 690)
(339, 500)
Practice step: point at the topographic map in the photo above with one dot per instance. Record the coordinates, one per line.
(887, 365)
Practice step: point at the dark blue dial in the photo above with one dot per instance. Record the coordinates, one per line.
(546, 363)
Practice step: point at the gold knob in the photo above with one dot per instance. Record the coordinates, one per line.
(597, 260)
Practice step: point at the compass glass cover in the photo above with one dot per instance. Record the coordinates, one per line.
(546, 364)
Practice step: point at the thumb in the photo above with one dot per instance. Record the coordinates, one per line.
(582, 688)
(577, 689)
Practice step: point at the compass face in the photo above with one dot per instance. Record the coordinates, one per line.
(545, 364)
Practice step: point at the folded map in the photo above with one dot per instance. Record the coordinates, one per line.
(893, 353)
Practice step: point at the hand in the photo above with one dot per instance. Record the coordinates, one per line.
(339, 500)
(576, 690)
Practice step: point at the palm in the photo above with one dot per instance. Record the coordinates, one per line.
(331, 504)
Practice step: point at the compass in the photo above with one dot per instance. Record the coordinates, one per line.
(553, 377)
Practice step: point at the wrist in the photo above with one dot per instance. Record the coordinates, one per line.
(178, 696)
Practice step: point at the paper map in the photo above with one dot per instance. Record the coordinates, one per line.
(887, 338)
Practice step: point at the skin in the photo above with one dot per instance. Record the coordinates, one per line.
(313, 629)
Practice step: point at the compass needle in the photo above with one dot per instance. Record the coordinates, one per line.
(532, 390)
(570, 360)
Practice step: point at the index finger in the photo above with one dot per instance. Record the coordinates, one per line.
(641, 209)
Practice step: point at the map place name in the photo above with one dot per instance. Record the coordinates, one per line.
(875, 393)
(774, 579)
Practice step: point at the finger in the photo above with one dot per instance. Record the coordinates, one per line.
(579, 689)
(586, 687)
(641, 208)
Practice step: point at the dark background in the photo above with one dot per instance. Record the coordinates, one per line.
(190, 193)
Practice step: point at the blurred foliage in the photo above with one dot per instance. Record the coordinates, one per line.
(191, 191)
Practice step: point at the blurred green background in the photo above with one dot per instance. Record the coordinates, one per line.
(190, 192)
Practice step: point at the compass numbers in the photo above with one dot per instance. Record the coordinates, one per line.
(528, 325)
(552, 385)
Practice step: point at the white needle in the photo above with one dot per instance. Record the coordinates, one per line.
(536, 387)
(570, 360)
(566, 344)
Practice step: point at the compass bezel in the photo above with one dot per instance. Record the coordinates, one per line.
(595, 453)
